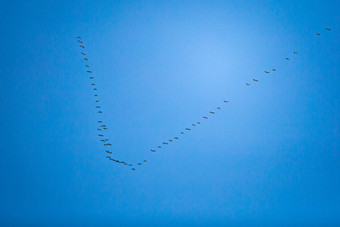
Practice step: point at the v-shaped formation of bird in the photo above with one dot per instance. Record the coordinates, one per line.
(102, 128)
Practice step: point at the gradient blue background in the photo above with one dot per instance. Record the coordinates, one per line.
(271, 157)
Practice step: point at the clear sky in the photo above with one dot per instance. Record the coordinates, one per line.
(271, 156)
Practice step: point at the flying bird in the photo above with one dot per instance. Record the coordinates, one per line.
(198, 122)
(182, 132)
(89, 71)
(287, 59)
(139, 163)
(85, 59)
(97, 100)
(100, 112)
(205, 117)
(266, 71)
(317, 33)
(328, 29)
(145, 161)
(165, 143)
(212, 112)
(295, 52)
(255, 80)
(104, 128)
(97, 106)
(170, 140)
(153, 150)
(193, 124)
(91, 77)
(99, 121)
(78, 37)
(159, 147)
(98, 129)
(274, 70)
(176, 138)
(218, 108)
(87, 66)
(100, 135)
(133, 169)
(81, 46)
(80, 41)
(109, 152)
(226, 101)
(83, 53)
(187, 129)
(247, 84)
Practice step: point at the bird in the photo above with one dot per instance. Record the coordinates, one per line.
(187, 129)
(247, 84)
(106, 139)
(182, 132)
(102, 140)
(295, 52)
(109, 152)
(93, 84)
(108, 156)
(255, 80)
(212, 112)
(100, 135)
(87, 66)
(199, 123)
(97, 106)
(81, 46)
(85, 59)
(89, 71)
(145, 160)
(98, 129)
(274, 70)
(99, 121)
(193, 124)
(317, 33)
(130, 164)
(176, 138)
(153, 150)
(100, 112)
(91, 77)
(205, 117)
(171, 140)
(159, 147)
(218, 108)
(97, 100)
(328, 29)
(78, 37)
(83, 53)
(165, 143)
(287, 59)
(133, 169)
(104, 128)
(80, 41)
(266, 71)
(139, 163)
(226, 101)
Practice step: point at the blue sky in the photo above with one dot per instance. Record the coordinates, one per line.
(269, 157)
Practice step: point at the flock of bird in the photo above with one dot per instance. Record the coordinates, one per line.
(102, 128)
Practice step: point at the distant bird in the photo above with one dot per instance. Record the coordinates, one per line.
(100, 135)
(205, 117)
(91, 77)
(104, 128)
(218, 108)
(145, 161)
(139, 163)
(83, 53)
(153, 150)
(133, 169)
(93, 84)
(328, 29)
(295, 52)
(165, 143)
(97, 106)
(106, 139)
(255, 80)
(80, 41)
(182, 132)
(266, 71)
(212, 112)
(99, 121)
(85, 59)
(108, 156)
(89, 71)
(78, 37)
(198, 122)
(97, 100)
(274, 70)
(317, 33)
(287, 59)
(176, 138)
(81, 46)
(130, 164)
(98, 129)
(247, 84)
(226, 101)
(159, 147)
(102, 140)
(193, 124)
(171, 140)
(187, 129)
(87, 66)
(109, 152)
(100, 112)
